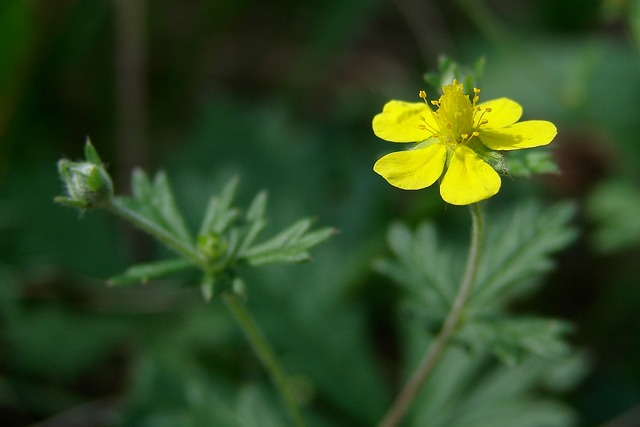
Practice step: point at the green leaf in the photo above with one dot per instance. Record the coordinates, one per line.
(155, 201)
(289, 246)
(517, 251)
(255, 408)
(142, 273)
(613, 207)
(255, 220)
(528, 162)
(467, 390)
(219, 214)
(424, 267)
(165, 204)
(511, 339)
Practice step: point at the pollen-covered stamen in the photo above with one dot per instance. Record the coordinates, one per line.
(481, 120)
(427, 126)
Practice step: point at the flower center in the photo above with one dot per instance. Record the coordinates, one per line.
(458, 117)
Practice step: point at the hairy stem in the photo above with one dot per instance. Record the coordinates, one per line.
(405, 398)
(266, 355)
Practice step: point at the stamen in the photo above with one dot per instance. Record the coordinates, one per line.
(426, 126)
(481, 119)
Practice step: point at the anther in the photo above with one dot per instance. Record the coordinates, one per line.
(488, 109)
(423, 95)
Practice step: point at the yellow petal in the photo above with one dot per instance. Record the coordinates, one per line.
(468, 179)
(413, 169)
(401, 122)
(532, 133)
(504, 112)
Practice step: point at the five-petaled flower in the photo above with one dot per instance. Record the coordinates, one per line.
(451, 142)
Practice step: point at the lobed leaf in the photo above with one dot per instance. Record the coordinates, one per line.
(142, 273)
(155, 201)
(289, 246)
(517, 251)
(219, 214)
(510, 339)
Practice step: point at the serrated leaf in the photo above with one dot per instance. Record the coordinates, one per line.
(465, 390)
(517, 250)
(219, 214)
(510, 339)
(164, 202)
(142, 273)
(422, 266)
(155, 201)
(255, 221)
(289, 246)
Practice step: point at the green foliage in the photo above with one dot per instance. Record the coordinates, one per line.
(225, 242)
(448, 70)
(518, 249)
(613, 208)
(528, 162)
(468, 390)
(517, 252)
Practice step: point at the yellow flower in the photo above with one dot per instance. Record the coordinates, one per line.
(450, 140)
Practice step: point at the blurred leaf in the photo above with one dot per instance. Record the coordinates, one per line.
(448, 70)
(142, 273)
(155, 201)
(255, 219)
(219, 214)
(423, 266)
(613, 207)
(290, 245)
(517, 250)
(511, 339)
(529, 162)
(467, 390)
(254, 408)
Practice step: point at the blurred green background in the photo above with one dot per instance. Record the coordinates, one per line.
(282, 94)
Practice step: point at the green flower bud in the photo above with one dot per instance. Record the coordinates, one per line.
(212, 245)
(88, 185)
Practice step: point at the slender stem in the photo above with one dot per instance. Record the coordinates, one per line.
(405, 398)
(116, 206)
(266, 355)
(257, 340)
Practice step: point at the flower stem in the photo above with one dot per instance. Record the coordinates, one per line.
(405, 398)
(266, 355)
(257, 340)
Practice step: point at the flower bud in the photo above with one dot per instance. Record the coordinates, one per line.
(88, 185)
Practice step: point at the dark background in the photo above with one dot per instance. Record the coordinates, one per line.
(282, 94)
